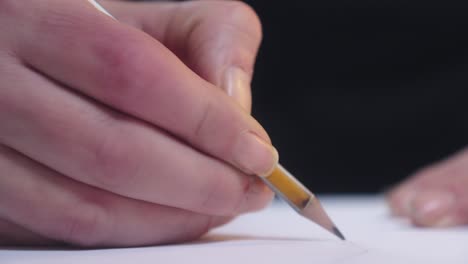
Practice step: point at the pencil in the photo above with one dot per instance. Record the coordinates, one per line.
(287, 187)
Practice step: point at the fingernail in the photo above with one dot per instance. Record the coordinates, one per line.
(254, 155)
(433, 208)
(237, 85)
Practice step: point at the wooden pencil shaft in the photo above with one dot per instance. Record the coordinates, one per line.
(289, 188)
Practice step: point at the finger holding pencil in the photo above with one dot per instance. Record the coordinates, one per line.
(95, 129)
(286, 186)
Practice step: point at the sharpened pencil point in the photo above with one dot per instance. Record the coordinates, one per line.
(315, 212)
(300, 198)
(337, 232)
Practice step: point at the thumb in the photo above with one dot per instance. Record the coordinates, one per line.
(218, 40)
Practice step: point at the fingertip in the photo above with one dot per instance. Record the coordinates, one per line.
(254, 155)
(399, 200)
(434, 208)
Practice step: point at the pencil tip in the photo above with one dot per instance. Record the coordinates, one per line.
(315, 212)
(337, 232)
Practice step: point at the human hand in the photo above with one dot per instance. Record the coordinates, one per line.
(115, 137)
(436, 196)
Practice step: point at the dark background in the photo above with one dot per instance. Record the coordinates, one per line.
(358, 94)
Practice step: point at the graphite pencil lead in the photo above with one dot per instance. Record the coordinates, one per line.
(337, 232)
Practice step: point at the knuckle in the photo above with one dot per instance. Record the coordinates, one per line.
(244, 18)
(238, 23)
(125, 69)
(234, 15)
(85, 227)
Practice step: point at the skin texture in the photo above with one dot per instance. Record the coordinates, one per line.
(130, 132)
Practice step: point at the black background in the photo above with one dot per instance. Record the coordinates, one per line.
(358, 94)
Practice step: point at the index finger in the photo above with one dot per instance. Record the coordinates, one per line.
(130, 71)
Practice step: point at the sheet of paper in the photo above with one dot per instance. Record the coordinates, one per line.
(278, 235)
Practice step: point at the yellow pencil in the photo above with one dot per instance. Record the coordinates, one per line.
(288, 187)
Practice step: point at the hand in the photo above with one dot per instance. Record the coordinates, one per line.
(436, 196)
(116, 134)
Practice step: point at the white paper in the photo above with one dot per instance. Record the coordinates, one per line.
(279, 235)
